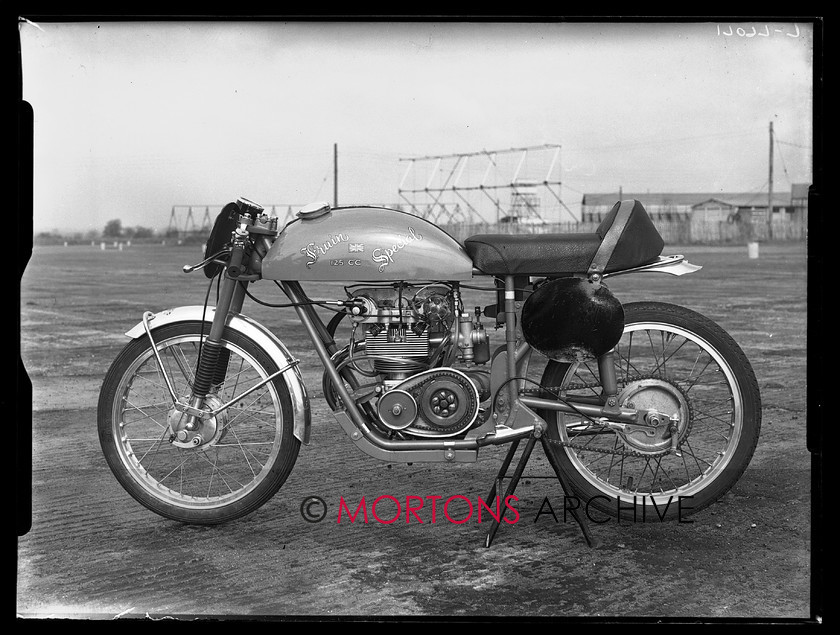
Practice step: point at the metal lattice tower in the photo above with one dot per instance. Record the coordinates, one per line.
(517, 185)
(182, 223)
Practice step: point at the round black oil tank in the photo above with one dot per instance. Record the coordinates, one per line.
(572, 319)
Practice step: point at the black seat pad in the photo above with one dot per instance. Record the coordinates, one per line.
(637, 243)
(532, 254)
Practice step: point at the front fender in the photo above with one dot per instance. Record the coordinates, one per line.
(262, 337)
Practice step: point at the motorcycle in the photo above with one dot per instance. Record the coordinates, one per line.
(202, 414)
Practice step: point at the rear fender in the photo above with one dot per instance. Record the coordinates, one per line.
(262, 337)
(674, 265)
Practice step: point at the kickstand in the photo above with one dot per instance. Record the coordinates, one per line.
(567, 491)
(517, 474)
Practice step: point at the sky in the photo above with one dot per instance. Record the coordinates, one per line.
(133, 118)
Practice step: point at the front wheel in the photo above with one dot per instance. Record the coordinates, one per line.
(675, 361)
(224, 467)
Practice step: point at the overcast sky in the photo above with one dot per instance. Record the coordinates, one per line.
(133, 118)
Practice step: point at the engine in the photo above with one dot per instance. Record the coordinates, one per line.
(412, 337)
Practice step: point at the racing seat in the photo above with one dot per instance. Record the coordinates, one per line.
(625, 238)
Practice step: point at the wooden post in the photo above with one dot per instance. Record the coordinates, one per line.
(770, 190)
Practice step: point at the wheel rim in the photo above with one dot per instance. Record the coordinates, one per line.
(240, 445)
(657, 365)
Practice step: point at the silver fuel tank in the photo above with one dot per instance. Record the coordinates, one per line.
(365, 244)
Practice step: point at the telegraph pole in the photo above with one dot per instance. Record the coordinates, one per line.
(770, 190)
(335, 174)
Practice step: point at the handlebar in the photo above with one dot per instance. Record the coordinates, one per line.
(235, 268)
(249, 220)
(204, 263)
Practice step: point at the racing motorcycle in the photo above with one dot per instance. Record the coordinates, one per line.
(202, 414)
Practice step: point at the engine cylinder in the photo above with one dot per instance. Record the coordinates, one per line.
(393, 349)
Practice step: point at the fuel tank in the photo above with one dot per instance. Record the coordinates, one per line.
(364, 244)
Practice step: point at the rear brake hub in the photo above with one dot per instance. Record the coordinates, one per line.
(666, 399)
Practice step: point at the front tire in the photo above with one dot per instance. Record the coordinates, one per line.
(669, 359)
(227, 468)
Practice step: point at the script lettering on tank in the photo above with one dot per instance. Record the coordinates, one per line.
(385, 255)
(313, 250)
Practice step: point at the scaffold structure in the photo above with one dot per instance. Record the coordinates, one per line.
(516, 185)
(182, 219)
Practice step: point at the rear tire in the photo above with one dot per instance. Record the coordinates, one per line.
(232, 464)
(674, 360)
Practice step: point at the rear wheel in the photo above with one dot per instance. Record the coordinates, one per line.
(675, 361)
(229, 464)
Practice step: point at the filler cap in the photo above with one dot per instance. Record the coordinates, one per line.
(314, 210)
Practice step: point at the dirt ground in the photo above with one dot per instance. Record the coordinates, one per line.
(92, 552)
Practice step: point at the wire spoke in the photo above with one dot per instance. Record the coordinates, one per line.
(659, 367)
(231, 449)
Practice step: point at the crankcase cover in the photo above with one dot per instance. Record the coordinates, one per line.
(447, 402)
(367, 244)
(572, 319)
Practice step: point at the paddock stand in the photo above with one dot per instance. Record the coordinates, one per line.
(517, 474)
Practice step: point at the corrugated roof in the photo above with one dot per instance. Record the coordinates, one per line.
(663, 199)
(714, 200)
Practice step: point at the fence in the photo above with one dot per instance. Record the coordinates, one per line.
(675, 232)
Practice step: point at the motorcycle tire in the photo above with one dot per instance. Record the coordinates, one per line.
(242, 456)
(672, 360)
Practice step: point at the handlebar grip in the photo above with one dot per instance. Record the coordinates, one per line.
(235, 267)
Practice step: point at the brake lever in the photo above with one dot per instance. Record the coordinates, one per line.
(205, 262)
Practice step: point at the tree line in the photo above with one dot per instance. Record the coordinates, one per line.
(113, 230)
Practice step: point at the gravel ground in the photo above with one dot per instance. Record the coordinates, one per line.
(92, 552)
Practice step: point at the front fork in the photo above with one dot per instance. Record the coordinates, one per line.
(213, 358)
